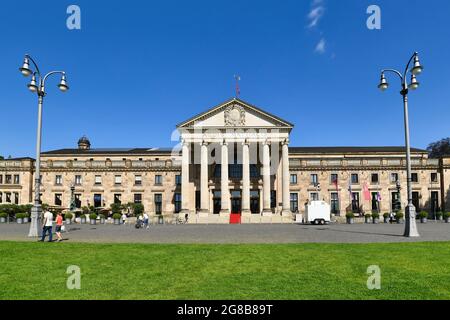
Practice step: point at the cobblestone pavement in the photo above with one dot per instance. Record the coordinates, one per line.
(245, 233)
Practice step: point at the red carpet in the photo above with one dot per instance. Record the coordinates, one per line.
(235, 218)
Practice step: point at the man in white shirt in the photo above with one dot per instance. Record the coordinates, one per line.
(47, 226)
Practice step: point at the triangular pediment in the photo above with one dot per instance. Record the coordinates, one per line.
(235, 113)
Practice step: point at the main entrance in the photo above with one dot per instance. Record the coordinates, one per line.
(236, 201)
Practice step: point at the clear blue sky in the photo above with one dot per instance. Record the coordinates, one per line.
(137, 68)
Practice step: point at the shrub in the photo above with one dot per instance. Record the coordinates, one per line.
(138, 209)
(399, 215)
(102, 216)
(21, 215)
(386, 215)
(116, 208)
(92, 216)
(446, 215)
(423, 214)
(368, 215)
(375, 215)
(349, 215)
(68, 215)
(116, 216)
(3, 214)
(85, 210)
(439, 214)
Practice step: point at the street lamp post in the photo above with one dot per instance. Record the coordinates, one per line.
(37, 85)
(410, 212)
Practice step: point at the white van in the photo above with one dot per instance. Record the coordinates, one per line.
(317, 212)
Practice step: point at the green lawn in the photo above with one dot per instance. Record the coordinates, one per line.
(298, 271)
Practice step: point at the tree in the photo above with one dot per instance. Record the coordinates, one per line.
(1, 158)
(439, 148)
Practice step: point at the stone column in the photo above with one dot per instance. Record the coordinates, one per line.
(267, 211)
(204, 192)
(286, 181)
(224, 188)
(186, 152)
(245, 179)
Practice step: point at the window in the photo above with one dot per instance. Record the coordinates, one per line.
(394, 177)
(8, 179)
(138, 198)
(334, 178)
(314, 196)
(293, 179)
(158, 203)
(414, 177)
(375, 204)
(395, 201)
(78, 201)
(355, 178)
(117, 198)
(334, 196)
(1, 197)
(1, 179)
(416, 201)
(97, 200)
(117, 180)
(78, 180)
(8, 197)
(138, 180)
(178, 179)
(217, 203)
(314, 179)
(374, 178)
(294, 202)
(58, 199)
(434, 203)
(254, 201)
(177, 200)
(273, 198)
(434, 177)
(355, 202)
(158, 179)
(98, 180)
(58, 180)
(16, 179)
(16, 198)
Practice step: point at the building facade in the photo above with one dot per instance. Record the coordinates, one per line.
(233, 158)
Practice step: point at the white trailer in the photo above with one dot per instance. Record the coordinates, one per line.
(317, 212)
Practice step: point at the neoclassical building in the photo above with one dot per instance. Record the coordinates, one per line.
(233, 158)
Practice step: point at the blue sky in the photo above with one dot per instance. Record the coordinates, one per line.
(137, 68)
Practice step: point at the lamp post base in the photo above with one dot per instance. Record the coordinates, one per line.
(35, 226)
(410, 222)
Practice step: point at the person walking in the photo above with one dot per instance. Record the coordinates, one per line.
(47, 226)
(59, 224)
(124, 218)
(146, 220)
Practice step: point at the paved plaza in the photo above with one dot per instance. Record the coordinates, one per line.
(245, 233)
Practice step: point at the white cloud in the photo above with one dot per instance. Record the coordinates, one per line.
(321, 46)
(315, 14)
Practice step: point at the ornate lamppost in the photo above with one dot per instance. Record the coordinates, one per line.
(37, 85)
(410, 212)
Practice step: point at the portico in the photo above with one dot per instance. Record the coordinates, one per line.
(235, 159)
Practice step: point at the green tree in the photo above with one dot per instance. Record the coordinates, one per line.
(439, 148)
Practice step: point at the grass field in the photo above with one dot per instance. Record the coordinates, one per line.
(298, 271)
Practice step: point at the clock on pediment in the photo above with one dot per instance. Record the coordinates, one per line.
(234, 116)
